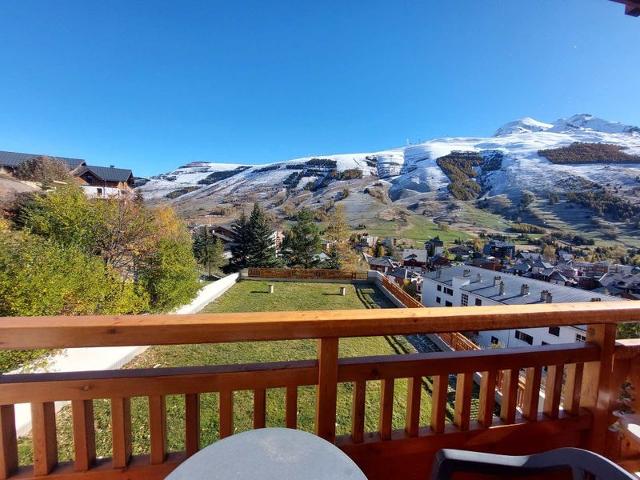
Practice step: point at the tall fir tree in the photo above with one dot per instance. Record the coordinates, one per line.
(261, 251)
(240, 250)
(302, 243)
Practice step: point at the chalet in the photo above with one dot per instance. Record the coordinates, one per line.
(380, 264)
(104, 182)
(462, 252)
(499, 249)
(412, 257)
(9, 161)
(434, 247)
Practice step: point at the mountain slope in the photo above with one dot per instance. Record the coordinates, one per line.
(390, 182)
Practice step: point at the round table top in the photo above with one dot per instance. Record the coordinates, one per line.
(269, 453)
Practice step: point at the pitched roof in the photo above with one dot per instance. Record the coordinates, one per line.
(108, 174)
(14, 159)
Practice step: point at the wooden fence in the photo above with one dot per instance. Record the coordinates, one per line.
(306, 274)
(581, 372)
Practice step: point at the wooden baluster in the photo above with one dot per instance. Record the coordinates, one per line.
(121, 431)
(226, 413)
(553, 390)
(386, 408)
(532, 394)
(327, 392)
(357, 411)
(487, 398)
(45, 446)
(259, 408)
(84, 435)
(192, 423)
(412, 421)
(439, 402)
(8, 442)
(572, 388)
(596, 393)
(158, 428)
(462, 407)
(291, 419)
(509, 403)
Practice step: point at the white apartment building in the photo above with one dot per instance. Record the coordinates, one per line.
(464, 285)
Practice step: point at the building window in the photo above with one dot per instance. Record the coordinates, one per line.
(99, 191)
(438, 300)
(544, 343)
(464, 300)
(494, 341)
(448, 291)
(478, 302)
(555, 331)
(439, 288)
(580, 337)
(525, 337)
(448, 304)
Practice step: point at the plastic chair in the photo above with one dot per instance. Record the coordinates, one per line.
(581, 463)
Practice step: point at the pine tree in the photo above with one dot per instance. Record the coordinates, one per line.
(335, 260)
(261, 251)
(302, 242)
(240, 250)
(208, 250)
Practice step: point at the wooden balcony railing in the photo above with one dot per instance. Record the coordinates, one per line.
(581, 372)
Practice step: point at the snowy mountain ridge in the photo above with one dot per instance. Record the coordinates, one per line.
(413, 170)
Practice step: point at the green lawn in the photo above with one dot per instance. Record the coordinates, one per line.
(251, 296)
(254, 296)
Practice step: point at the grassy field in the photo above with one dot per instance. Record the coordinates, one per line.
(418, 230)
(251, 296)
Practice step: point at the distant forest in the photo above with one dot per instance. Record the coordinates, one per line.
(577, 153)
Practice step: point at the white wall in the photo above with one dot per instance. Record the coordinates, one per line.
(208, 294)
(507, 338)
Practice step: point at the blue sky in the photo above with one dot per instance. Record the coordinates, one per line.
(151, 85)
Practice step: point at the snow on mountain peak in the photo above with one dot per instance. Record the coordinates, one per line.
(586, 121)
(526, 124)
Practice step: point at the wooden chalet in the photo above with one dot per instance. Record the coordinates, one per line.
(105, 177)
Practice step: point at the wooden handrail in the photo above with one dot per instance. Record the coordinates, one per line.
(91, 331)
(579, 372)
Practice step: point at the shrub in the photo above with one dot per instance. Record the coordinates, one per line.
(42, 169)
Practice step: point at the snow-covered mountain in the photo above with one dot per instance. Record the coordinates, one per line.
(412, 172)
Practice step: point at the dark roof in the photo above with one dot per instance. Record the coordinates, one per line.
(13, 159)
(108, 174)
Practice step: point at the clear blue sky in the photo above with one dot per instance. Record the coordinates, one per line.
(151, 85)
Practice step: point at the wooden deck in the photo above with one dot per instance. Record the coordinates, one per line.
(586, 375)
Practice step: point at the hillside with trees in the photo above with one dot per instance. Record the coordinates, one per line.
(581, 153)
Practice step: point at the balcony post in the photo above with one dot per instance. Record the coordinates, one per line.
(597, 393)
(327, 393)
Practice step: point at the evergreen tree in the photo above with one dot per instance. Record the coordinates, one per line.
(208, 250)
(302, 242)
(240, 250)
(335, 260)
(261, 251)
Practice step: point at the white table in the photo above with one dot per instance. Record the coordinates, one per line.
(269, 454)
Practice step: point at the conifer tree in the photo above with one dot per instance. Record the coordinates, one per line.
(240, 250)
(261, 251)
(208, 250)
(302, 242)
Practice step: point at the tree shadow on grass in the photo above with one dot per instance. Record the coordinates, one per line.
(259, 291)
